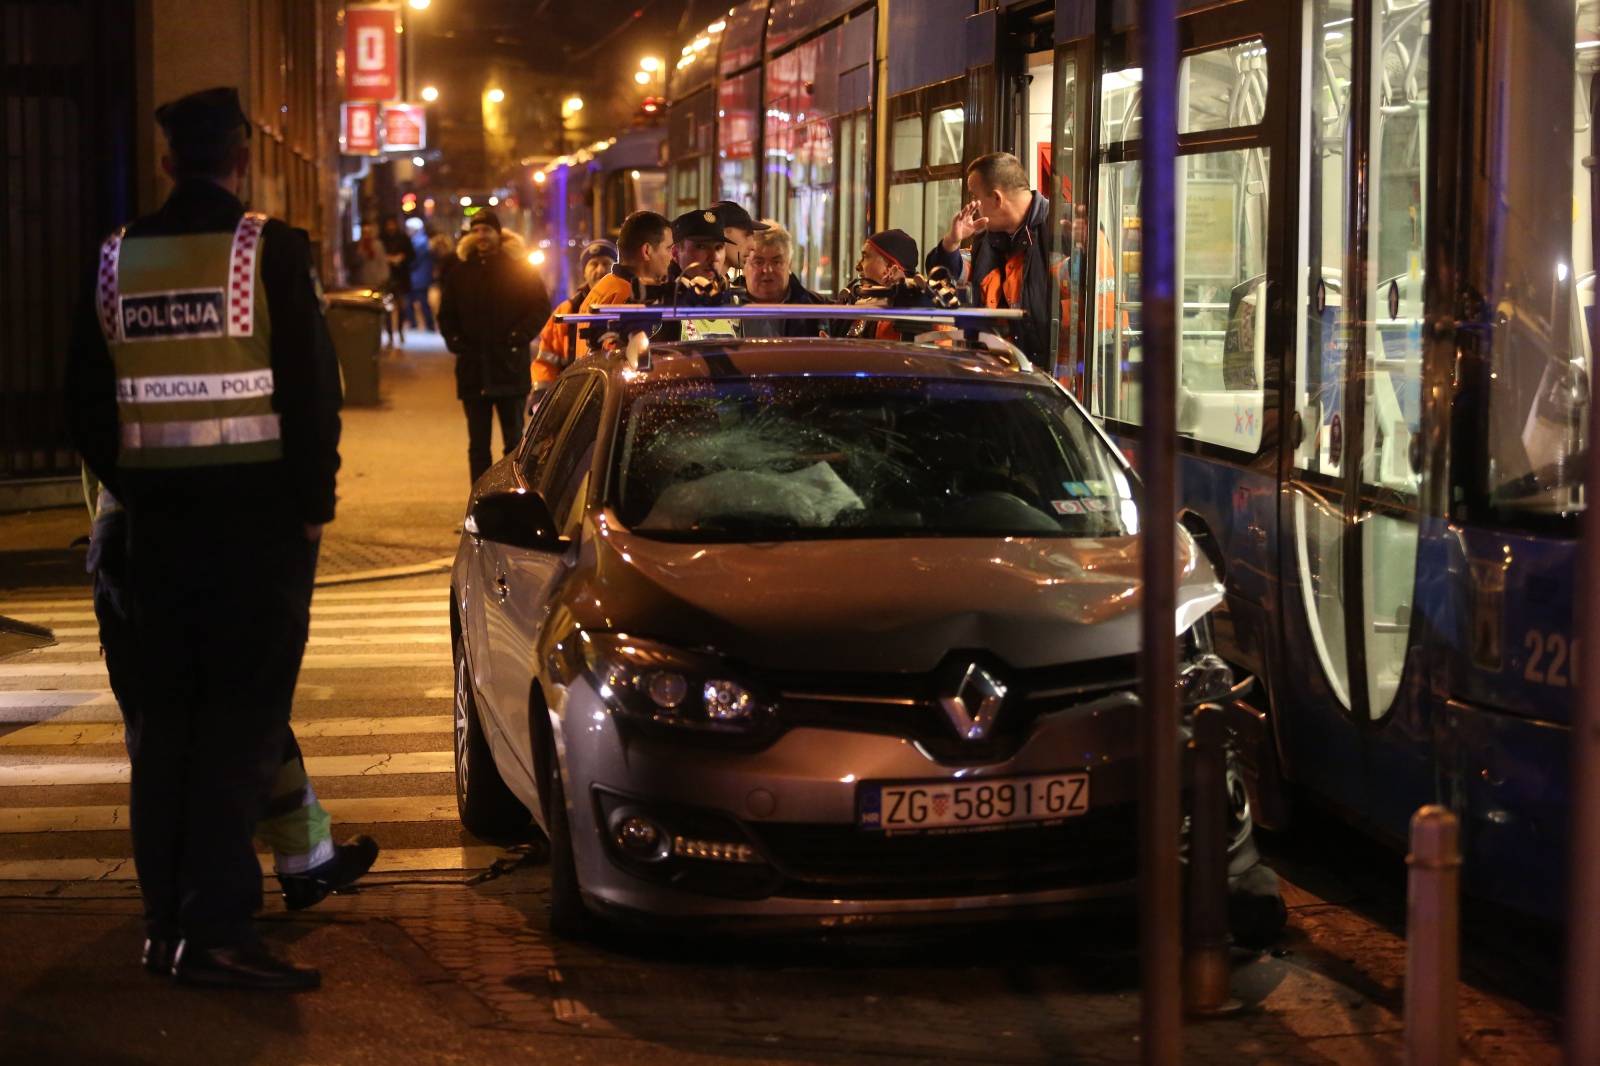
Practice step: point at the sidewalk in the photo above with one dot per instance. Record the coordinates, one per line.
(402, 487)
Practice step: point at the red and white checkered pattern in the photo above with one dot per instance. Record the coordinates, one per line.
(242, 275)
(106, 287)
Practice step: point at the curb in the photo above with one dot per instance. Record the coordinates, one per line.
(436, 566)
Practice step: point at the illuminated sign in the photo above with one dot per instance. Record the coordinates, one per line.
(371, 52)
(359, 128)
(405, 128)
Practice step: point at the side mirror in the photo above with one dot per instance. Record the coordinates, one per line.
(515, 517)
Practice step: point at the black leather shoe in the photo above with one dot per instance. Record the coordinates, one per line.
(157, 956)
(349, 862)
(241, 966)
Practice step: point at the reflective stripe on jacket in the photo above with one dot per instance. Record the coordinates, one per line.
(185, 319)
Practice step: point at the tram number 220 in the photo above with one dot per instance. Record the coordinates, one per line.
(1552, 659)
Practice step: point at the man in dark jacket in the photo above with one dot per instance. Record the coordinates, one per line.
(492, 306)
(1008, 264)
(226, 496)
(402, 256)
(770, 280)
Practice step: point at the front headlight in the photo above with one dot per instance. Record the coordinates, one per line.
(673, 687)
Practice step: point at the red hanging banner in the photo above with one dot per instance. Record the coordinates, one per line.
(359, 135)
(371, 52)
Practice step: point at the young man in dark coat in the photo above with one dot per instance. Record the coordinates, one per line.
(492, 306)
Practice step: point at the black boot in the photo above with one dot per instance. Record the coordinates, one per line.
(349, 862)
(157, 956)
(241, 966)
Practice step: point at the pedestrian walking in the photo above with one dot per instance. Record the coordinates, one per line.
(401, 255)
(1006, 265)
(203, 391)
(417, 310)
(555, 340)
(492, 306)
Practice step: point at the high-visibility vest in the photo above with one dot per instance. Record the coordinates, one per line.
(185, 318)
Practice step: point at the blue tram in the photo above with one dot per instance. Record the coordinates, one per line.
(1386, 229)
(587, 194)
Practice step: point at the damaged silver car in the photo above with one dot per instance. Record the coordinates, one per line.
(812, 632)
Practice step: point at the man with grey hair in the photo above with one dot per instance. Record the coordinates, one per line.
(770, 279)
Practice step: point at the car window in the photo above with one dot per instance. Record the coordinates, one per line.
(567, 475)
(553, 413)
(839, 456)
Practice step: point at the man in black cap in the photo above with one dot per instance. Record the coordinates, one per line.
(491, 308)
(739, 228)
(203, 391)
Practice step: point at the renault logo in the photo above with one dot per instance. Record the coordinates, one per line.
(974, 704)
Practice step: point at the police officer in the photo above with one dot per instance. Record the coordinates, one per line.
(700, 247)
(203, 391)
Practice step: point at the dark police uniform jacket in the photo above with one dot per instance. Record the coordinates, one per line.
(297, 480)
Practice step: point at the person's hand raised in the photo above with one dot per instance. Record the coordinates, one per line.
(967, 222)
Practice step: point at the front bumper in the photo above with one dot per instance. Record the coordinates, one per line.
(793, 805)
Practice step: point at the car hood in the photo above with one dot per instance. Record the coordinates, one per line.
(885, 605)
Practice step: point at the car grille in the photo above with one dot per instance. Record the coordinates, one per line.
(840, 860)
(908, 705)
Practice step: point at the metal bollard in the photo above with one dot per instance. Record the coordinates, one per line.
(1206, 943)
(1433, 938)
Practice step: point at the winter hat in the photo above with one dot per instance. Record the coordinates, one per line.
(897, 246)
(485, 217)
(596, 249)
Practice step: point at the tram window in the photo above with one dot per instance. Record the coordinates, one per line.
(854, 191)
(908, 143)
(1544, 312)
(946, 132)
(1069, 248)
(1119, 105)
(1222, 218)
(1223, 88)
(905, 209)
(943, 201)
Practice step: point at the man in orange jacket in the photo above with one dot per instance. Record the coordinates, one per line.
(645, 246)
(555, 347)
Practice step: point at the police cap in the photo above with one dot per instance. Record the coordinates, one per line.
(202, 119)
(734, 215)
(700, 225)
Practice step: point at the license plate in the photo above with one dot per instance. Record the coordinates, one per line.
(996, 801)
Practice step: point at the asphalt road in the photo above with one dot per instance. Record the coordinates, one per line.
(445, 955)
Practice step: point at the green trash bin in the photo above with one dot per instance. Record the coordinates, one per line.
(355, 318)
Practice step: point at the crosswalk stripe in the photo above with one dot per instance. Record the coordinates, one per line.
(321, 596)
(115, 771)
(377, 625)
(433, 607)
(90, 649)
(89, 819)
(360, 661)
(399, 860)
(99, 705)
(69, 734)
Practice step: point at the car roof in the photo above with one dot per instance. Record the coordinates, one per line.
(752, 357)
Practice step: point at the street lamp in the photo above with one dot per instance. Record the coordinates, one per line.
(642, 77)
(538, 177)
(420, 5)
(650, 64)
(497, 96)
(418, 161)
(430, 93)
(572, 105)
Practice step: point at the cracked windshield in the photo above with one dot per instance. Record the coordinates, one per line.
(803, 457)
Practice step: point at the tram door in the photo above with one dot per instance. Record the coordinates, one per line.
(1351, 505)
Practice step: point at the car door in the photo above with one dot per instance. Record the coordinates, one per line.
(525, 580)
(496, 646)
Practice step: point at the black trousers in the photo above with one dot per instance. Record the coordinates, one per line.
(218, 610)
(480, 412)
